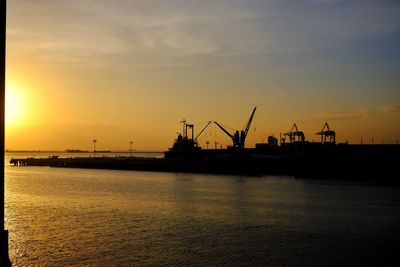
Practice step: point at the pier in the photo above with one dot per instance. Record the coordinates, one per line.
(245, 167)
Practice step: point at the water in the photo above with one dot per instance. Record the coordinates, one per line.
(63, 154)
(59, 217)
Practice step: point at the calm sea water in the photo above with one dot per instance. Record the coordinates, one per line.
(59, 217)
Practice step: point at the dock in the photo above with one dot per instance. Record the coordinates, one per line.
(147, 164)
(341, 161)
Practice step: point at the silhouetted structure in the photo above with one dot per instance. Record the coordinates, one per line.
(309, 160)
(186, 146)
(327, 135)
(294, 135)
(94, 147)
(4, 260)
(131, 142)
(272, 141)
(238, 139)
(298, 157)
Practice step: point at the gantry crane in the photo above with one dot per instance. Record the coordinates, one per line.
(238, 139)
(295, 135)
(327, 134)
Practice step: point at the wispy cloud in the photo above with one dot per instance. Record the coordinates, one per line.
(158, 31)
(339, 115)
(392, 108)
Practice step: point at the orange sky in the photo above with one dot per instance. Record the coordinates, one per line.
(121, 70)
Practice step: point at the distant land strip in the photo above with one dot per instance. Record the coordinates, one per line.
(80, 151)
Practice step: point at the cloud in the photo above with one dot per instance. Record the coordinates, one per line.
(392, 108)
(338, 115)
(153, 32)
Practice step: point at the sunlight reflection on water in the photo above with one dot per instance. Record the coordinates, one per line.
(94, 217)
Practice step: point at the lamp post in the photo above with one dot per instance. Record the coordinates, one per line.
(94, 147)
(131, 148)
(4, 258)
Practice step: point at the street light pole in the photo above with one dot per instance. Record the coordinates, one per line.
(4, 258)
(94, 148)
(131, 149)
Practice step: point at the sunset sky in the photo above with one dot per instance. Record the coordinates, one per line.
(122, 70)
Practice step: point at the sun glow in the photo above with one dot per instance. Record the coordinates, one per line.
(14, 106)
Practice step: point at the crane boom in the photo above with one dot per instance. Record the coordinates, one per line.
(202, 130)
(249, 122)
(223, 129)
(239, 138)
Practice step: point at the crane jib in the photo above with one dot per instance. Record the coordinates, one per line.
(239, 139)
(209, 122)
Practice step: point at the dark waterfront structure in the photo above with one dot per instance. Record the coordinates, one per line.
(4, 261)
(303, 160)
(294, 157)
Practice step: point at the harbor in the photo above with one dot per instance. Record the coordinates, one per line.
(291, 155)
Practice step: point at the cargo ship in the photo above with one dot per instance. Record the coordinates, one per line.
(291, 155)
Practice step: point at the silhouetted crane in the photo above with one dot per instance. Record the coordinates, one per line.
(187, 126)
(238, 139)
(195, 139)
(295, 135)
(328, 133)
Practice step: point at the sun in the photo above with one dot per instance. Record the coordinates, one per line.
(14, 107)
